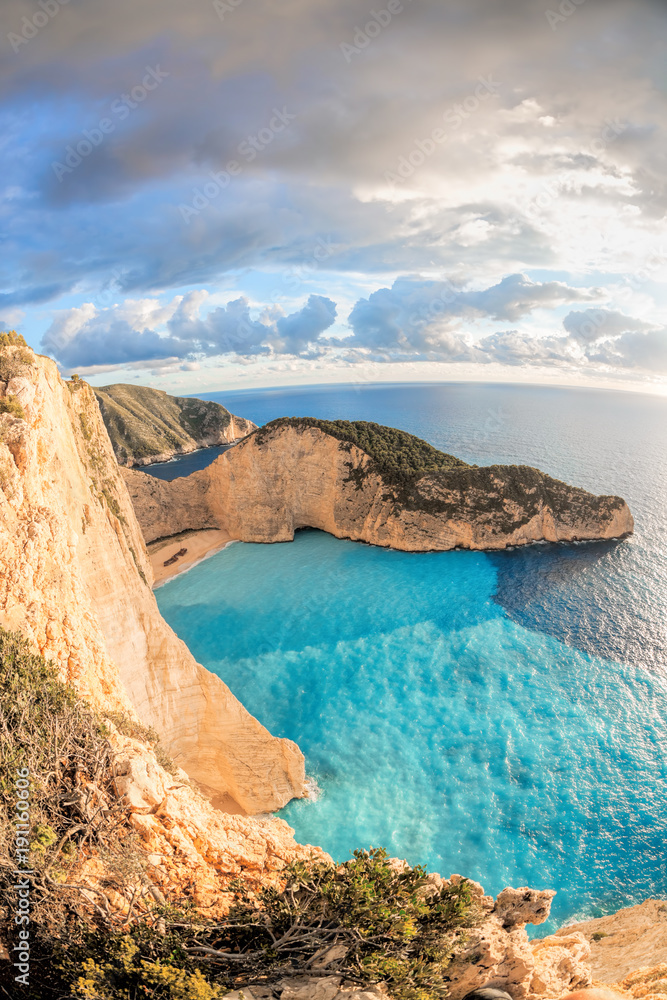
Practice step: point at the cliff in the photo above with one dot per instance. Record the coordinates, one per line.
(75, 579)
(147, 425)
(394, 491)
(622, 941)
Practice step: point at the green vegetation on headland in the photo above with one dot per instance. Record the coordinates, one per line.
(386, 923)
(417, 477)
(395, 454)
(144, 423)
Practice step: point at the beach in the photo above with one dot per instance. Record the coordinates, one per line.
(199, 544)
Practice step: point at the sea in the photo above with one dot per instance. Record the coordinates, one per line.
(501, 716)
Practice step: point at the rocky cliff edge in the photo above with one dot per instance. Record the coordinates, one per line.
(75, 579)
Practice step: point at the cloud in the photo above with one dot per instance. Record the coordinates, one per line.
(647, 351)
(84, 338)
(297, 331)
(420, 315)
(145, 330)
(597, 324)
(415, 320)
(464, 207)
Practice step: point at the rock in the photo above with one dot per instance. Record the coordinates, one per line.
(306, 988)
(593, 993)
(648, 983)
(194, 849)
(140, 782)
(523, 906)
(331, 955)
(488, 994)
(76, 580)
(291, 476)
(498, 955)
(634, 937)
(560, 962)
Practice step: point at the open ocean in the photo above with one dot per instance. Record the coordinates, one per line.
(501, 716)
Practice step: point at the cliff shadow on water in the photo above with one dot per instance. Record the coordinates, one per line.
(584, 595)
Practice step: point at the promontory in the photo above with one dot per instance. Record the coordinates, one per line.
(373, 484)
(148, 425)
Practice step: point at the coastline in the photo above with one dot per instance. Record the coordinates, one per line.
(200, 545)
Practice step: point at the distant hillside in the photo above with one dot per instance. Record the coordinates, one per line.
(147, 425)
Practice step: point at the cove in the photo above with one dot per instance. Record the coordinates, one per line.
(433, 723)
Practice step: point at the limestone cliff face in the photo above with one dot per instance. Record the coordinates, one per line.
(75, 578)
(622, 942)
(278, 480)
(194, 850)
(148, 425)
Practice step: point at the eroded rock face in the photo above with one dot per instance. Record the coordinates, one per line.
(75, 579)
(498, 954)
(268, 486)
(622, 942)
(193, 849)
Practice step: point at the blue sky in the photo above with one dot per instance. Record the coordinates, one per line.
(244, 193)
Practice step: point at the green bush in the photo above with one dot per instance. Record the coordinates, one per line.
(11, 338)
(389, 925)
(13, 362)
(10, 404)
(396, 455)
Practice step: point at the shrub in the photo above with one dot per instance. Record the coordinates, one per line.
(10, 404)
(47, 729)
(396, 455)
(15, 355)
(12, 339)
(389, 925)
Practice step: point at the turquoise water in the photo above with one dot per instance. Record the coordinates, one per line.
(499, 716)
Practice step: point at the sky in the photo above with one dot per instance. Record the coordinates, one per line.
(241, 193)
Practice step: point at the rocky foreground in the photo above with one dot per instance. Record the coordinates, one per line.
(294, 474)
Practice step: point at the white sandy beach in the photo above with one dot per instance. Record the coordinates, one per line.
(198, 543)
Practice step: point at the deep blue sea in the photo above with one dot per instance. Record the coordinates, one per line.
(500, 716)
